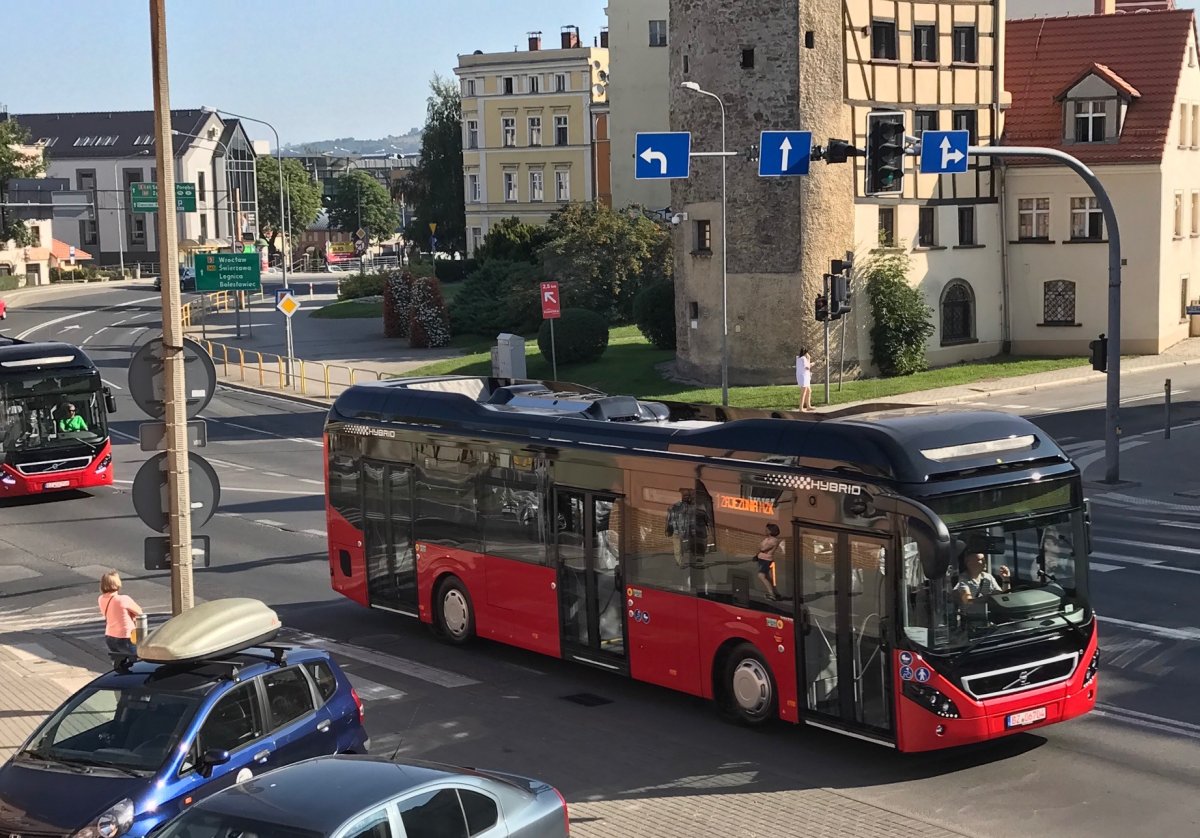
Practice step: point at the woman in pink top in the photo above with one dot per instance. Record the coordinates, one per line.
(119, 611)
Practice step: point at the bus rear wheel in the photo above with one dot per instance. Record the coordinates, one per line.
(455, 613)
(748, 689)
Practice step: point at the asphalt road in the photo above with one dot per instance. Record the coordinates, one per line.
(1129, 769)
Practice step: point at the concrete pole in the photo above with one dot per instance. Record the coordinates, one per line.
(180, 502)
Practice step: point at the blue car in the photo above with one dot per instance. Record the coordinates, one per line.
(142, 743)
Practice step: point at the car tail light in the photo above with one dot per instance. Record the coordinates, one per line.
(566, 813)
(358, 703)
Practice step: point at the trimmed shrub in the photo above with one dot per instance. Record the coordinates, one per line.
(397, 304)
(903, 321)
(361, 285)
(453, 270)
(580, 335)
(498, 296)
(654, 314)
(8, 283)
(429, 322)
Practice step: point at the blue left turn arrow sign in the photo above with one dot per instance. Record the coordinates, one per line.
(662, 155)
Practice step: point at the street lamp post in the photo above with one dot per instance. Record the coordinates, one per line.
(120, 209)
(695, 88)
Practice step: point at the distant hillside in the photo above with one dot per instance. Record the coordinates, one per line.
(409, 143)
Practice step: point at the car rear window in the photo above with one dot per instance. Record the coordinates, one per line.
(323, 677)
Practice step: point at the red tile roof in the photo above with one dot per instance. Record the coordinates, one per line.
(1107, 75)
(1141, 53)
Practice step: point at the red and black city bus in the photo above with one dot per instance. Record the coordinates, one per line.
(625, 535)
(44, 446)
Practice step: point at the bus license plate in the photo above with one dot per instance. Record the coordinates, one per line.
(1028, 717)
(57, 484)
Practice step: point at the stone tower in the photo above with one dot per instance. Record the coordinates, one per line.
(776, 65)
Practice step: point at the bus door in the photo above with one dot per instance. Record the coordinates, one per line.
(590, 577)
(387, 536)
(842, 592)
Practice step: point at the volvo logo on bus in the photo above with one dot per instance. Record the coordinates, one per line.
(809, 483)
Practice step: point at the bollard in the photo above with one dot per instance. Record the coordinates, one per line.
(1167, 406)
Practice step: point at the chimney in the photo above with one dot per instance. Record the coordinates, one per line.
(570, 37)
(604, 38)
(535, 41)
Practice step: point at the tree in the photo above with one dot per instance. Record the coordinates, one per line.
(360, 201)
(15, 164)
(301, 192)
(436, 183)
(603, 257)
(514, 241)
(902, 319)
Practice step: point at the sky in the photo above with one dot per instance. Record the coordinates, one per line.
(316, 69)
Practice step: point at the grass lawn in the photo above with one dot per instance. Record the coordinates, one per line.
(344, 309)
(628, 368)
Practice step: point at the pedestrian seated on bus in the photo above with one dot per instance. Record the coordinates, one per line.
(70, 421)
(975, 582)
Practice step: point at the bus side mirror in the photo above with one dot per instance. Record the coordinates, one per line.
(110, 401)
(936, 547)
(1087, 525)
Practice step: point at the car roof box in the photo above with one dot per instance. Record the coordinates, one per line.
(211, 630)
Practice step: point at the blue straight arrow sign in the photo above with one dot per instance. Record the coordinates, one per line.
(662, 155)
(784, 153)
(944, 152)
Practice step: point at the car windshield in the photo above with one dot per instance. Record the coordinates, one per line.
(50, 411)
(129, 729)
(1007, 578)
(199, 823)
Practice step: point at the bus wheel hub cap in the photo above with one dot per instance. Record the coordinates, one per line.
(454, 611)
(751, 686)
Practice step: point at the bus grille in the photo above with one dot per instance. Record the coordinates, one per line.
(1027, 676)
(48, 466)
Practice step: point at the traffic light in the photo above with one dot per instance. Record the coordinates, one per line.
(839, 296)
(885, 153)
(1099, 349)
(822, 308)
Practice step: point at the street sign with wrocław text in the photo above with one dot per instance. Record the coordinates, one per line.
(143, 197)
(228, 272)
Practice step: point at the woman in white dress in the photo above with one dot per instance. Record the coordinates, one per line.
(804, 379)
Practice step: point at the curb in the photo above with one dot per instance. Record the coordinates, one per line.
(19, 296)
(276, 394)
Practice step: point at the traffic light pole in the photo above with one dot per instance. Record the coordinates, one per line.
(1112, 420)
(828, 288)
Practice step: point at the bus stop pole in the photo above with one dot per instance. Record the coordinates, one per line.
(1112, 419)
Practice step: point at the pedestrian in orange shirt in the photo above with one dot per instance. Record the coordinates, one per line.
(119, 611)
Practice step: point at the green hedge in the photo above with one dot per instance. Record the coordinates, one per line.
(453, 270)
(654, 313)
(361, 285)
(580, 335)
(9, 283)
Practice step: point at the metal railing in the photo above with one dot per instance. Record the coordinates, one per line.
(268, 370)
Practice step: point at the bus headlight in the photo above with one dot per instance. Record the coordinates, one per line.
(1090, 675)
(103, 465)
(8, 480)
(932, 700)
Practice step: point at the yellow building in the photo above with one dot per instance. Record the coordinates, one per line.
(535, 131)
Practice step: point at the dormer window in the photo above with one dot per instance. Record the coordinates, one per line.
(1089, 121)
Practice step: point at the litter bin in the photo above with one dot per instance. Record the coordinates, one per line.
(141, 627)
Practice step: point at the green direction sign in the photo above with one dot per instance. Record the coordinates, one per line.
(227, 272)
(143, 197)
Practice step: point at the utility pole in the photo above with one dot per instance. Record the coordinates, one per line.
(175, 397)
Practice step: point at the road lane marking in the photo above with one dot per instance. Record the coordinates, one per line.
(402, 666)
(1158, 631)
(317, 533)
(1170, 548)
(1155, 564)
(114, 386)
(267, 522)
(1100, 567)
(316, 442)
(130, 437)
(79, 314)
(1148, 721)
(243, 489)
(1183, 525)
(369, 690)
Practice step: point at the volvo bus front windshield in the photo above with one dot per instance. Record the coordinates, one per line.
(1009, 577)
(51, 411)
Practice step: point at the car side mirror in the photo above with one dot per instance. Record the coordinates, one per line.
(110, 401)
(211, 759)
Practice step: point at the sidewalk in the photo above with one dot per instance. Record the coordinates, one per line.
(1156, 473)
(33, 682)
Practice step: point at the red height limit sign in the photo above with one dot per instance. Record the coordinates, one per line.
(551, 302)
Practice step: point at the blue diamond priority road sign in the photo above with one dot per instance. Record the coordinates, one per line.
(662, 155)
(944, 152)
(784, 153)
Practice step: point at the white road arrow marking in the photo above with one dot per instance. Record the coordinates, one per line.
(950, 155)
(650, 155)
(69, 328)
(786, 148)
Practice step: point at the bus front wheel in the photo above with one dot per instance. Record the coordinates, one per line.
(455, 614)
(749, 695)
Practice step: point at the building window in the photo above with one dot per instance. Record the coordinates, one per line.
(1195, 213)
(87, 232)
(508, 85)
(1089, 121)
(508, 127)
(510, 186)
(1058, 303)
(747, 58)
(966, 121)
(560, 82)
(562, 185)
(535, 84)
(137, 230)
(86, 180)
(964, 45)
(1183, 297)
(537, 189)
(472, 133)
(1178, 214)
(535, 130)
(203, 227)
(703, 236)
(469, 87)
(887, 226)
(200, 187)
(966, 227)
(658, 33)
(1195, 126)
(1183, 126)
(883, 40)
(476, 238)
(473, 194)
(35, 235)
(927, 227)
(560, 129)
(925, 121)
(925, 43)
(686, 64)
(1033, 219)
(1087, 220)
(958, 313)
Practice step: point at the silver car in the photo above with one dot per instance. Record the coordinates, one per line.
(373, 797)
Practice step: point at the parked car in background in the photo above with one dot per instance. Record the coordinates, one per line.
(187, 279)
(213, 708)
(350, 796)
